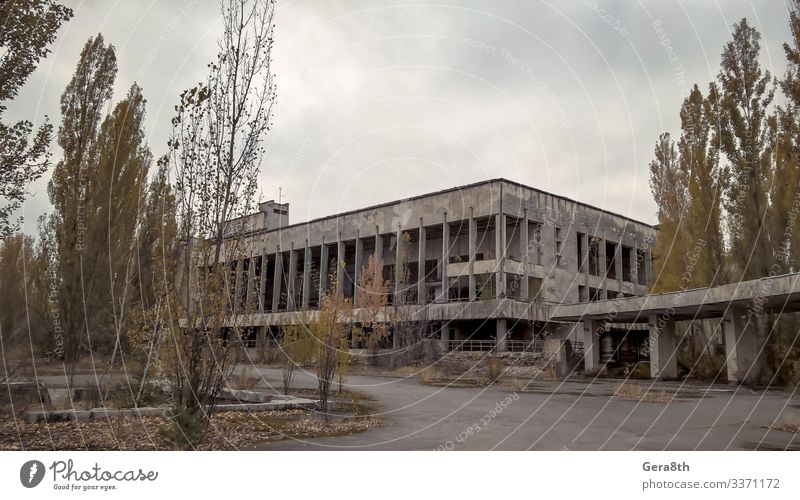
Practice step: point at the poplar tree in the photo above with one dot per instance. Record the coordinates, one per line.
(116, 203)
(668, 184)
(97, 192)
(784, 130)
(699, 157)
(746, 93)
(82, 105)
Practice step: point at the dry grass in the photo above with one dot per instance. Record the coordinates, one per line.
(520, 385)
(431, 375)
(639, 392)
(228, 431)
(788, 421)
(407, 371)
(494, 369)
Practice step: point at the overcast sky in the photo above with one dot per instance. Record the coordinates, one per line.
(381, 100)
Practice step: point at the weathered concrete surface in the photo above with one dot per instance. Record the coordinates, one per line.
(93, 414)
(277, 404)
(781, 293)
(245, 396)
(556, 416)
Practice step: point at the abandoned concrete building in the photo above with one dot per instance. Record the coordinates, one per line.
(483, 264)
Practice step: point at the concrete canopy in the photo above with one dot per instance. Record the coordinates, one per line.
(775, 293)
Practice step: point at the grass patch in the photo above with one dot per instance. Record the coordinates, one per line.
(227, 431)
(788, 421)
(431, 375)
(639, 392)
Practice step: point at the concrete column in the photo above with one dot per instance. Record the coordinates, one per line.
(619, 267)
(323, 269)
(292, 284)
(248, 296)
(501, 335)
(555, 348)
(262, 283)
(276, 285)
(583, 261)
(524, 252)
(663, 348)
(445, 347)
(378, 243)
(648, 267)
(500, 255)
(379, 251)
(340, 264)
(634, 277)
(601, 257)
(591, 345)
(252, 301)
(421, 291)
(237, 288)
(398, 274)
(743, 358)
(445, 261)
(358, 267)
(307, 261)
(472, 237)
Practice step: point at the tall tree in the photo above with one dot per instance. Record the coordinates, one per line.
(214, 156)
(28, 28)
(156, 239)
(668, 184)
(746, 93)
(373, 295)
(115, 205)
(82, 104)
(699, 158)
(238, 110)
(784, 153)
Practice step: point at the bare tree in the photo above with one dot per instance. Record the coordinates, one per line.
(297, 346)
(331, 331)
(372, 299)
(215, 152)
(409, 324)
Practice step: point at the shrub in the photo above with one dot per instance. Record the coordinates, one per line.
(431, 375)
(187, 429)
(494, 369)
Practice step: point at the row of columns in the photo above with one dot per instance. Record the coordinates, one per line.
(278, 274)
(583, 265)
(743, 356)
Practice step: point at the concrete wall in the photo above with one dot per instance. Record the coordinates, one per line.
(554, 222)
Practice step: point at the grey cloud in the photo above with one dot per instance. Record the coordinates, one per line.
(384, 100)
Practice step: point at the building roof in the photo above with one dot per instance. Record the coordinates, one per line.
(449, 190)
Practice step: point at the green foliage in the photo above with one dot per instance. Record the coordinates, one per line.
(297, 345)
(188, 427)
(28, 28)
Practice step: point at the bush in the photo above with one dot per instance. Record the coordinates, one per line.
(494, 369)
(431, 375)
(188, 429)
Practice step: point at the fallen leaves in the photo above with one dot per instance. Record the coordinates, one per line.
(227, 431)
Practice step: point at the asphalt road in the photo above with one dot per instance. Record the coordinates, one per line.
(572, 415)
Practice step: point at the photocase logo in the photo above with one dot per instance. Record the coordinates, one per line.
(31, 473)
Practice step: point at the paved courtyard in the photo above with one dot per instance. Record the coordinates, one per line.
(571, 415)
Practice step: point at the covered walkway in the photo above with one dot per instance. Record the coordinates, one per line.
(736, 303)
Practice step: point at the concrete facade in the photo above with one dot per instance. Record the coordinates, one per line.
(485, 261)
